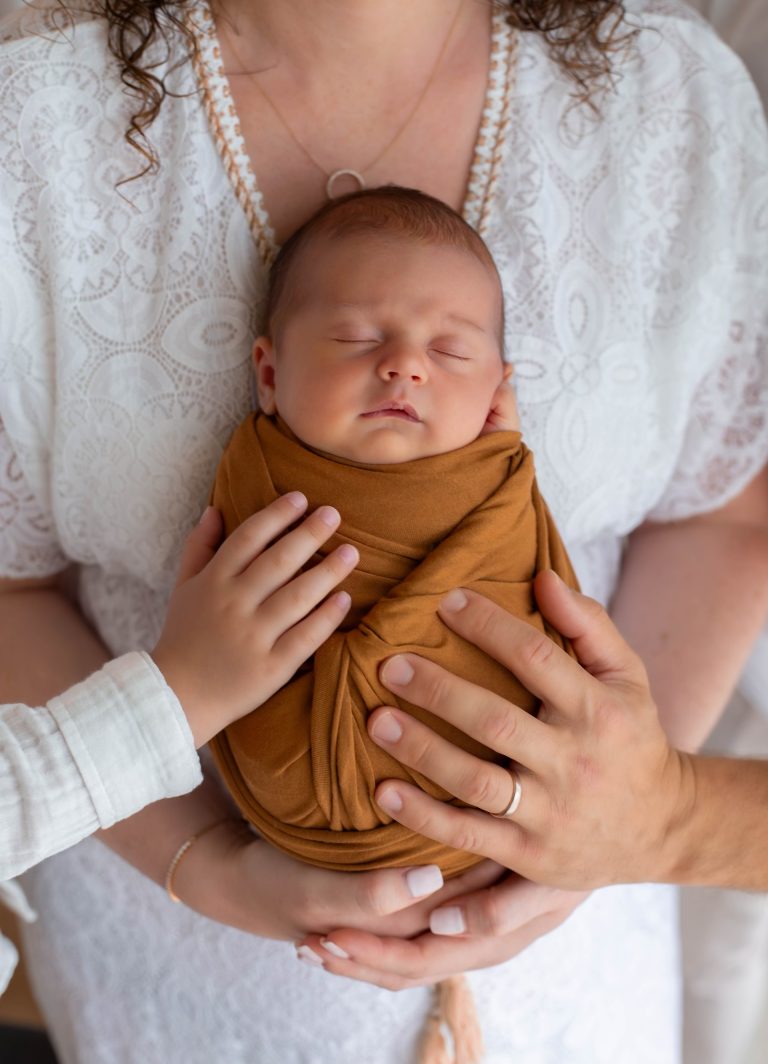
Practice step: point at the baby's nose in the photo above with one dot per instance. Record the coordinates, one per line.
(403, 361)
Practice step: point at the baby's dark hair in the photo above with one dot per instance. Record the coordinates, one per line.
(388, 209)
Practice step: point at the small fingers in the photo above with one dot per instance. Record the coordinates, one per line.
(281, 561)
(251, 537)
(304, 639)
(200, 545)
(294, 600)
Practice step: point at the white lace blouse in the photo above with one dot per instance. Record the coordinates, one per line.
(633, 250)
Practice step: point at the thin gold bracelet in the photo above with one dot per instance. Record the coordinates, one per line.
(183, 850)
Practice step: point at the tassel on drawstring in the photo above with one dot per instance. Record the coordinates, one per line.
(454, 1010)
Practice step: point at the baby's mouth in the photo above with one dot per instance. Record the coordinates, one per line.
(394, 408)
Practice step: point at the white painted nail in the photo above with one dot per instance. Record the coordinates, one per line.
(333, 949)
(304, 953)
(423, 881)
(448, 921)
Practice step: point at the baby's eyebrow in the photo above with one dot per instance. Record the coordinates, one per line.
(460, 320)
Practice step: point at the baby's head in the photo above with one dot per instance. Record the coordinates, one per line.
(384, 329)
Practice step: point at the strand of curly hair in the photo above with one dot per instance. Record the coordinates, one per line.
(582, 35)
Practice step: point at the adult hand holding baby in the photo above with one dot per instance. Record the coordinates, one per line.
(603, 792)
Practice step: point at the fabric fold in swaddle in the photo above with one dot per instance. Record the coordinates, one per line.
(302, 767)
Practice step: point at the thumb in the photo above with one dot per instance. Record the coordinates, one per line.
(596, 641)
(201, 545)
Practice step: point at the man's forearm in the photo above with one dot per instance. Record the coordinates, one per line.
(722, 840)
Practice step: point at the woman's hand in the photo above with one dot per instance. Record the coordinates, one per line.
(604, 796)
(476, 930)
(240, 620)
(233, 877)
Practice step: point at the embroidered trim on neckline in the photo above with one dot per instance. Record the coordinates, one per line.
(230, 144)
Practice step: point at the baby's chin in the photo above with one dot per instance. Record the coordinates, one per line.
(389, 445)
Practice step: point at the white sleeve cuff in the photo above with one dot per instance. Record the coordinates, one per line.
(129, 737)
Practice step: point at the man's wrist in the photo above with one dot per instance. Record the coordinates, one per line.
(678, 852)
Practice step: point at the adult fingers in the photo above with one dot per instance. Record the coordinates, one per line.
(542, 666)
(503, 841)
(480, 784)
(293, 601)
(383, 892)
(597, 642)
(479, 713)
(504, 908)
(396, 964)
(389, 963)
(255, 533)
(200, 545)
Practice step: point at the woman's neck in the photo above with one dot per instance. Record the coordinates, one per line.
(352, 38)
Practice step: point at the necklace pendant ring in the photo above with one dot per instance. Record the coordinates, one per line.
(342, 173)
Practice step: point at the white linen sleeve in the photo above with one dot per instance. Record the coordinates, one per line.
(96, 754)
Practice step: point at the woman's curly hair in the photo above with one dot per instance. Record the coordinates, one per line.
(582, 36)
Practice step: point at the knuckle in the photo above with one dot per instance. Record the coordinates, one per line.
(536, 650)
(434, 685)
(373, 895)
(419, 749)
(491, 913)
(282, 557)
(481, 789)
(466, 837)
(499, 726)
(594, 609)
(485, 616)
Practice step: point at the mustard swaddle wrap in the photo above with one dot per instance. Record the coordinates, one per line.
(302, 767)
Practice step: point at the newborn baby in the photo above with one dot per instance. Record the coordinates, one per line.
(384, 393)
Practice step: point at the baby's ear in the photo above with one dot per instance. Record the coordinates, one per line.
(264, 365)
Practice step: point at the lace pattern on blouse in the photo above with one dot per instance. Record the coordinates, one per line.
(30, 547)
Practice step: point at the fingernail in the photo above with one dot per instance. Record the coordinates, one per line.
(204, 514)
(386, 728)
(334, 950)
(342, 600)
(397, 672)
(347, 553)
(329, 516)
(295, 498)
(424, 880)
(390, 801)
(304, 953)
(453, 602)
(448, 921)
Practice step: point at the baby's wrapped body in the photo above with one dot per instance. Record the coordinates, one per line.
(302, 767)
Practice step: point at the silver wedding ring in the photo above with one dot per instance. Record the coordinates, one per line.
(517, 794)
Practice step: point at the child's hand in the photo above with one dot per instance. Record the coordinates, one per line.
(240, 621)
(503, 416)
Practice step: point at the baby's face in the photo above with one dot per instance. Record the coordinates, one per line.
(387, 349)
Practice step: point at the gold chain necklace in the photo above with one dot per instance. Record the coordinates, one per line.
(345, 171)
